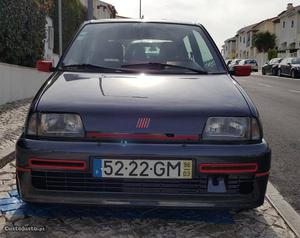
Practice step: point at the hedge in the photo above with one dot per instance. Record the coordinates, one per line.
(22, 31)
(22, 28)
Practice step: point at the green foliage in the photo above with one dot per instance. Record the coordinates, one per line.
(22, 31)
(272, 53)
(73, 15)
(264, 41)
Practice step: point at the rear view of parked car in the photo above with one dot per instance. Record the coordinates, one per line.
(252, 62)
(289, 67)
(271, 67)
(232, 64)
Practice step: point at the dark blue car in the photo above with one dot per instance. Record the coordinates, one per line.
(142, 113)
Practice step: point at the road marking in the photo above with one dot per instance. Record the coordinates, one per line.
(294, 91)
(289, 215)
(265, 85)
(275, 77)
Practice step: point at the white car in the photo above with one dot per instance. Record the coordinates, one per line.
(252, 62)
(233, 63)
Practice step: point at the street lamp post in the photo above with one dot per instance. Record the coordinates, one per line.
(60, 27)
(140, 9)
(90, 10)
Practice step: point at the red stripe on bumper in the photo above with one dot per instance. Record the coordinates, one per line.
(122, 136)
(21, 169)
(228, 168)
(57, 164)
(262, 174)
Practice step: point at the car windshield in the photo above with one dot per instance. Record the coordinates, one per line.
(275, 61)
(154, 47)
(296, 61)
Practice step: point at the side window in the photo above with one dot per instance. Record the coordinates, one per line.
(206, 54)
(188, 47)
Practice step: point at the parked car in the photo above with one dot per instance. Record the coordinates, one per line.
(233, 63)
(289, 67)
(142, 113)
(271, 67)
(252, 62)
(228, 61)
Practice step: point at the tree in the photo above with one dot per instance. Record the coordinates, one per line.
(73, 15)
(22, 32)
(264, 41)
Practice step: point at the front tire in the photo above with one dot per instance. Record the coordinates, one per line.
(263, 72)
(293, 75)
(279, 73)
(274, 73)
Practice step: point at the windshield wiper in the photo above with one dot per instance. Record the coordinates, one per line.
(163, 66)
(93, 67)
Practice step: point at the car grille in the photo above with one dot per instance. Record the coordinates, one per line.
(80, 181)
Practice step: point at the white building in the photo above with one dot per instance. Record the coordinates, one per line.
(229, 48)
(287, 30)
(105, 10)
(102, 10)
(49, 42)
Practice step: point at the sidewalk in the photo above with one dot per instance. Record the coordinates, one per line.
(12, 117)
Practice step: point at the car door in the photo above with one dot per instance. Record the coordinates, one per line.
(289, 66)
(268, 66)
(283, 66)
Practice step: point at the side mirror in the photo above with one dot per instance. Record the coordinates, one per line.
(289, 64)
(241, 70)
(44, 66)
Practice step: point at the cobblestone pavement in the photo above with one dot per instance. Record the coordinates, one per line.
(75, 221)
(12, 117)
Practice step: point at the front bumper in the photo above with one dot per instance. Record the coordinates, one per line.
(199, 153)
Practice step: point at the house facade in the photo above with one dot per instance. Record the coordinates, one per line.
(287, 27)
(102, 10)
(229, 48)
(49, 42)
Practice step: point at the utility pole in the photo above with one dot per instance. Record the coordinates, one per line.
(60, 27)
(140, 9)
(90, 10)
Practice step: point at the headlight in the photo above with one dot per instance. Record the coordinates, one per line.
(55, 125)
(231, 129)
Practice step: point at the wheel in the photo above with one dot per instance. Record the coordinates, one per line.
(293, 75)
(274, 72)
(263, 72)
(279, 72)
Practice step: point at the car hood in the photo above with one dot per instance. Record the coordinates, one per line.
(109, 102)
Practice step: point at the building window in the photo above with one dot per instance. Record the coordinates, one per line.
(283, 24)
(292, 24)
(244, 40)
(240, 39)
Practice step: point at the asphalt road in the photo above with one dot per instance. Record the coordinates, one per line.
(278, 102)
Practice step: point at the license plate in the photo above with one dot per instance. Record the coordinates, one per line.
(163, 169)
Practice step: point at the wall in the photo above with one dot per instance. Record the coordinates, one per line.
(17, 82)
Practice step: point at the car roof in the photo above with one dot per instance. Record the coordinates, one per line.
(142, 20)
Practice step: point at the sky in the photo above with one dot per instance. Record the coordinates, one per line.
(222, 18)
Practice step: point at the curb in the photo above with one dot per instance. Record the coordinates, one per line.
(289, 215)
(7, 156)
(274, 77)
